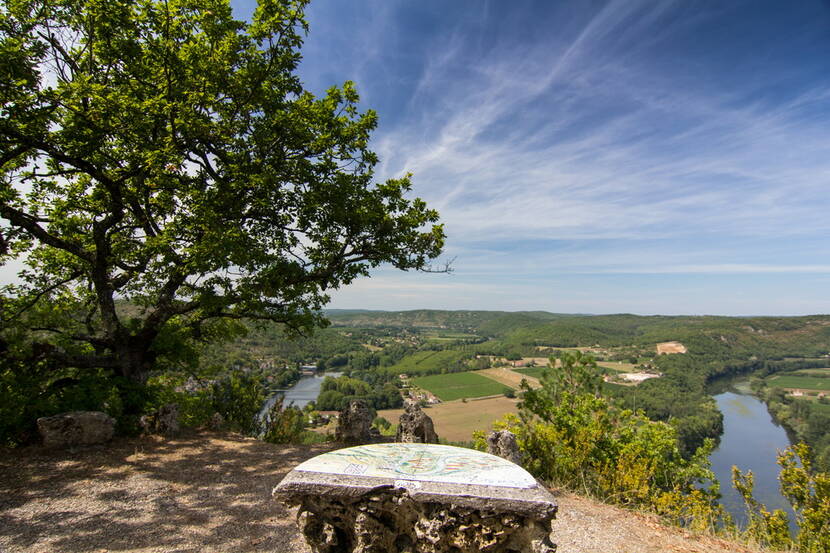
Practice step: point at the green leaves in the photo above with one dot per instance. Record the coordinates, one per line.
(809, 493)
(574, 437)
(165, 154)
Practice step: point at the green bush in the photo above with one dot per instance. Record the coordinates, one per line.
(766, 529)
(29, 391)
(284, 425)
(238, 397)
(573, 437)
(809, 493)
(195, 407)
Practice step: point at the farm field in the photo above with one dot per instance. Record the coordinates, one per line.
(508, 377)
(816, 372)
(536, 372)
(448, 387)
(425, 362)
(533, 372)
(456, 421)
(619, 366)
(800, 382)
(822, 408)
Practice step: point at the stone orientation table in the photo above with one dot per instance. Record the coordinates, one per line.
(418, 498)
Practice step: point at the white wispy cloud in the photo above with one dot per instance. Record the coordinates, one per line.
(666, 162)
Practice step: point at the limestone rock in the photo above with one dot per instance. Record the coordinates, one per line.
(415, 426)
(217, 422)
(354, 424)
(165, 421)
(76, 428)
(503, 443)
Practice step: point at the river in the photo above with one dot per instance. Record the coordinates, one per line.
(300, 394)
(750, 441)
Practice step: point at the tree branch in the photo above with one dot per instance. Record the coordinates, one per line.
(30, 224)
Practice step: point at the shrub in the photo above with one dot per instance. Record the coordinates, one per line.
(32, 390)
(195, 407)
(809, 493)
(238, 398)
(284, 425)
(573, 437)
(767, 529)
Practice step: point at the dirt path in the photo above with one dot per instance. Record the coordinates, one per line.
(585, 526)
(212, 493)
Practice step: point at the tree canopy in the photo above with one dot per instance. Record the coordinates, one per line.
(163, 169)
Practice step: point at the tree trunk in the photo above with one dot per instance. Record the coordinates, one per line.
(134, 359)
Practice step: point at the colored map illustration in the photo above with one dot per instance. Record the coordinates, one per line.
(421, 462)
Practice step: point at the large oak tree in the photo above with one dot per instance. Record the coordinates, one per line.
(162, 169)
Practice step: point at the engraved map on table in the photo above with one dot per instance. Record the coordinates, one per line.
(421, 462)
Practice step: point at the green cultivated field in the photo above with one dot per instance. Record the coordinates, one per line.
(535, 372)
(618, 367)
(426, 362)
(816, 372)
(459, 385)
(802, 382)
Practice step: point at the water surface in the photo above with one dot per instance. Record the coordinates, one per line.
(300, 394)
(751, 441)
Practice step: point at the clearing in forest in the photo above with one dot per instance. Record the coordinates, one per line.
(670, 347)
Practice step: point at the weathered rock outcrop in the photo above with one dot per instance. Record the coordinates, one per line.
(76, 428)
(216, 422)
(503, 443)
(165, 421)
(354, 424)
(415, 426)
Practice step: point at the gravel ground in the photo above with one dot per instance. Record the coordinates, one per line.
(208, 492)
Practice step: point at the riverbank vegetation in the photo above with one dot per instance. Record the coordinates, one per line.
(805, 415)
(574, 437)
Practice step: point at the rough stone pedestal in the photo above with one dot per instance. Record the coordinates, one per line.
(418, 498)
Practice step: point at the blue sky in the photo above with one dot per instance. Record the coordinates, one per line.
(597, 157)
(666, 157)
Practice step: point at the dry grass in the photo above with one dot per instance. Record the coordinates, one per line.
(508, 377)
(456, 420)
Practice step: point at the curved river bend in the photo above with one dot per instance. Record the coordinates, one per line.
(751, 441)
